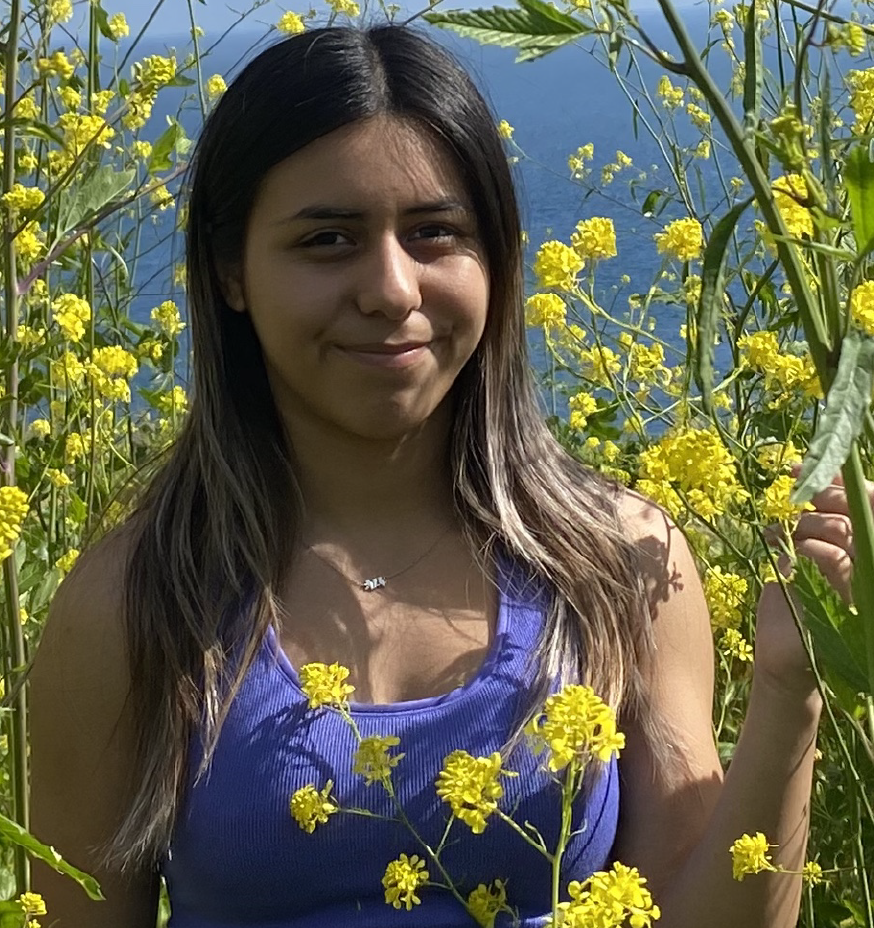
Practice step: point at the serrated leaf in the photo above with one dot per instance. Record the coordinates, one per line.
(843, 417)
(859, 180)
(15, 834)
(712, 286)
(838, 633)
(82, 201)
(536, 29)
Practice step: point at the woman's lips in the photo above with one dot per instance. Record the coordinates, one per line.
(388, 358)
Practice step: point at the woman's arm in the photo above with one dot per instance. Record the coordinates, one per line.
(81, 745)
(678, 828)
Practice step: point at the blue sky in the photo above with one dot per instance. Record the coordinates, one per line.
(216, 15)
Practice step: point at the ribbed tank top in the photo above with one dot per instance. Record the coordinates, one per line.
(238, 858)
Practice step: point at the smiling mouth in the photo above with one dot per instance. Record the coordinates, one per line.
(394, 356)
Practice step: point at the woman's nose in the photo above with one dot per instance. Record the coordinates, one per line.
(389, 282)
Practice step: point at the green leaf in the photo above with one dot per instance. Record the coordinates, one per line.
(838, 633)
(535, 29)
(859, 180)
(651, 202)
(102, 19)
(843, 417)
(15, 834)
(82, 201)
(753, 70)
(180, 81)
(11, 915)
(712, 287)
(171, 139)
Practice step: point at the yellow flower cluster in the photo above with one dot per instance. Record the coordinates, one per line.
(575, 724)
(310, 807)
(324, 684)
(811, 873)
(57, 64)
(13, 509)
(215, 86)
(698, 116)
(545, 309)
(470, 786)
(486, 902)
(682, 239)
(345, 7)
(81, 130)
(76, 446)
(775, 455)
(785, 374)
(862, 306)
(557, 265)
(776, 505)
(646, 363)
(59, 11)
(725, 592)
(166, 317)
(28, 243)
(401, 880)
(577, 161)
(110, 372)
(749, 854)
(32, 904)
(174, 400)
(861, 87)
(118, 27)
(788, 191)
(671, 96)
(66, 561)
(71, 312)
(735, 645)
(155, 71)
(291, 23)
(582, 405)
(595, 239)
(372, 759)
(505, 130)
(40, 428)
(698, 463)
(599, 364)
(70, 97)
(22, 199)
(608, 899)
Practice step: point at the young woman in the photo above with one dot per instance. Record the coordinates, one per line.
(363, 410)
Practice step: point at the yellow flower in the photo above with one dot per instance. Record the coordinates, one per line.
(671, 96)
(862, 306)
(788, 190)
(26, 108)
(60, 11)
(292, 23)
(682, 239)
(323, 684)
(575, 724)
(577, 161)
(175, 399)
(139, 108)
(118, 27)
(505, 130)
(32, 904)
(22, 199)
(58, 64)
(216, 86)
(749, 854)
(28, 243)
(80, 130)
(100, 101)
(166, 316)
(811, 873)
(57, 478)
(861, 86)
(545, 309)
(66, 561)
(777, 506)
(582, 405)
(775, 455)
(595, 239)
(13, 509)
(70, 97)
(345, 7)
(310, 807)
(372, 759)
(600, 364)
(557, 265)
(40, 428)
(401, 880)
(470, 786)
(606, 900)
(724, 592)
(114, 361)
(71, 313)
(698, 117)
(485, 902)
(142, 149)
(155, 71)
(735, 645)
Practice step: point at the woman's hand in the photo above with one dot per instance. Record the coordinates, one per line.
(825, 535)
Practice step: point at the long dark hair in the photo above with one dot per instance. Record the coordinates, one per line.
(217, 526)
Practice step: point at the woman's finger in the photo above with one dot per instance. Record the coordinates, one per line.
(834, 562)
(834, 497)
(831, 527)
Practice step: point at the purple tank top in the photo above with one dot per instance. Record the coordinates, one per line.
(238, 858)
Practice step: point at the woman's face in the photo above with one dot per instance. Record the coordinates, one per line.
(360, 242)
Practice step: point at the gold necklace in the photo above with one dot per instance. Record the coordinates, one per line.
(374, 583)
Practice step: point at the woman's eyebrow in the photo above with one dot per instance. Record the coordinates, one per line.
(321, 211)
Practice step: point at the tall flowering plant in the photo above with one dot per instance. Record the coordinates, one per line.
(760, 211)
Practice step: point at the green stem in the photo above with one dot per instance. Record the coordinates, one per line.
(567, 796)
(15, 657)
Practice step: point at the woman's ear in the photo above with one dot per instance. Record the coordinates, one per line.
(231, 283)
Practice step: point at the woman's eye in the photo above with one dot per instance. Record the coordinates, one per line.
(324, 238)
(437, 232)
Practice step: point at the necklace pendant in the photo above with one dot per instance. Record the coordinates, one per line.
(373, 584)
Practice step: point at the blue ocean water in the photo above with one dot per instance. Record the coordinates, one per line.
(556, 104)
